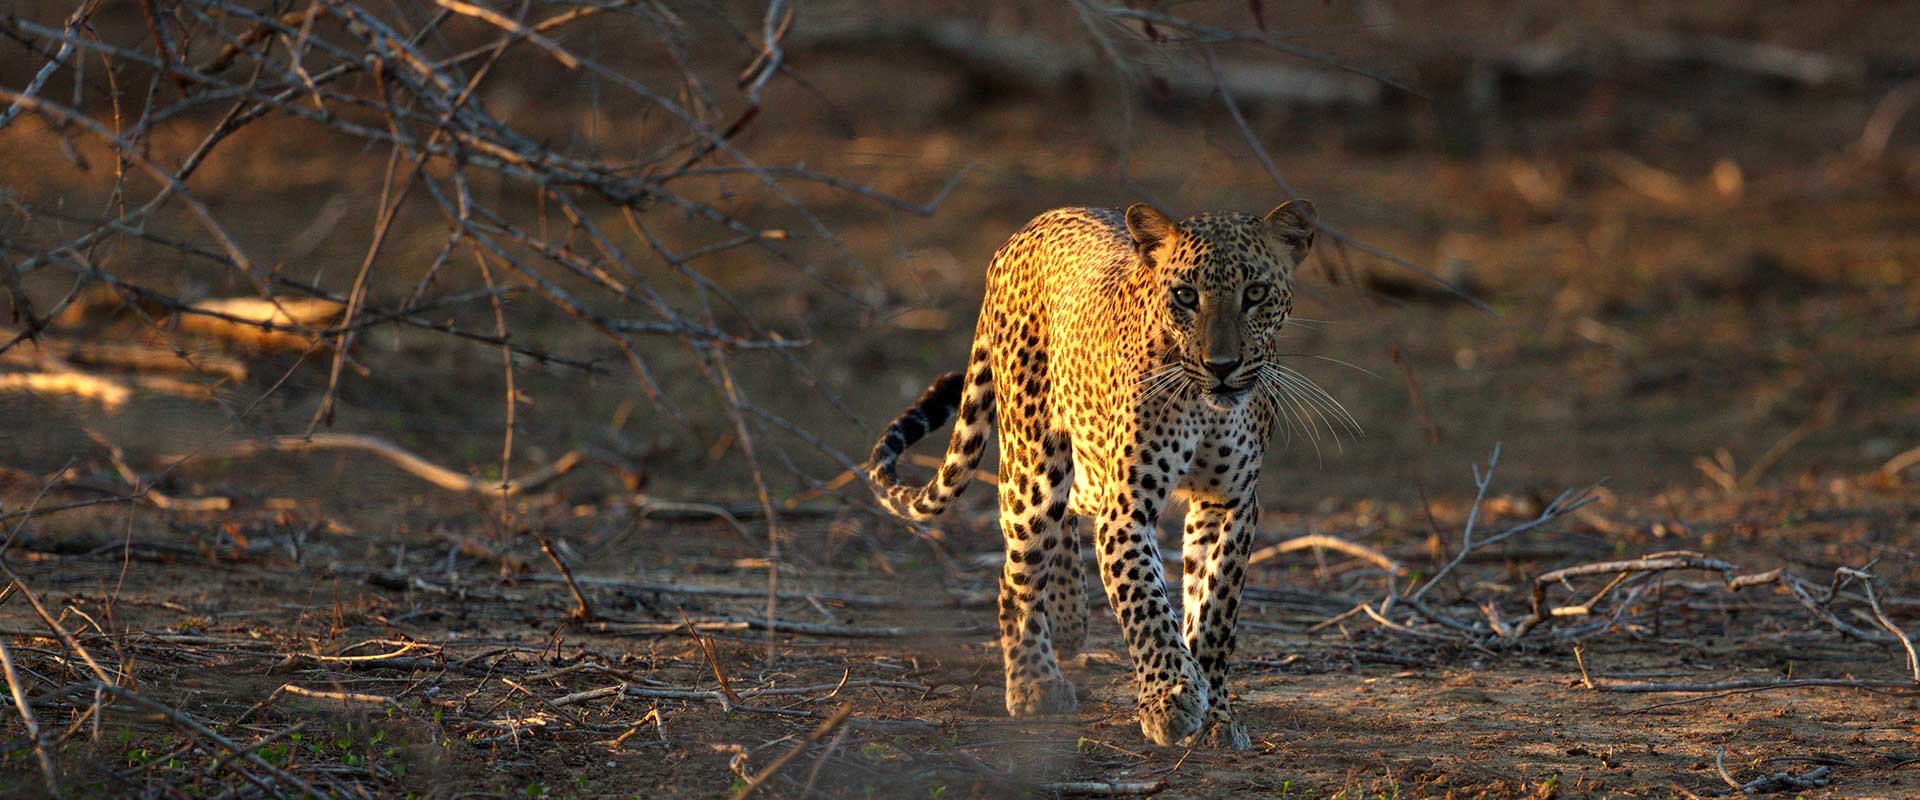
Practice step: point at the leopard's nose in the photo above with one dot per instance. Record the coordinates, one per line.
(1222, 369)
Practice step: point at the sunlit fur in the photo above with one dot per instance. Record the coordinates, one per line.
(1126, 360)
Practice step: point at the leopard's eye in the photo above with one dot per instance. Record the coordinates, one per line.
(1186, 296)
(1257, 293)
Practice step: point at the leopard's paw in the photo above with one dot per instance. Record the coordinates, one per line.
(1224, 732)
(1172, 712)
(1034, 698)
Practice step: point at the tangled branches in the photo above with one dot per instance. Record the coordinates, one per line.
(635, 223)
(612, 236)
(1613, 605)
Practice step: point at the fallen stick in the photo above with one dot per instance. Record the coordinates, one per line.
(397, 456)
(139, 358)
(1767, 60)
(159, 499)
(1873, 600)
(344, 697)
(265, 323)
(194, 727)
(108, 392)
(260, 743)
(1744, 686)
(849, 600)
(1705, 692)
(1777, 782)
(66, 638)
(771, 625)
(26, 718)
(1105, 788)
(1322, 541)
(582, 610)
(728, 706)
(1900, 463)
(589, 695)
(839, 715)
(1657, 562)
(1678, 560)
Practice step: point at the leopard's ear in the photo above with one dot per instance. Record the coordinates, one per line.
(1149, 227)
(1292, 225)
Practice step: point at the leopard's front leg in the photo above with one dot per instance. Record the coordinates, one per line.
(1219, 533)
(1172, 688)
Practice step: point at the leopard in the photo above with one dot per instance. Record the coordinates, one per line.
(1127, 360)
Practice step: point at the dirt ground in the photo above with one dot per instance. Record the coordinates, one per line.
(1701, 291)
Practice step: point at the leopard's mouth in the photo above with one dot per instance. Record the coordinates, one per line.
(1224, 390)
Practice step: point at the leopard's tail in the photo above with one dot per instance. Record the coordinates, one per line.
(966, 398)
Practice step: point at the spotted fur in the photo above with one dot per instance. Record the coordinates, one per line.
(1127, 360)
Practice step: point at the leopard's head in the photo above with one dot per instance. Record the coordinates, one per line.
(1225, 288)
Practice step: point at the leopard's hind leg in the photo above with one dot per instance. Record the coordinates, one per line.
(1035, 477)
(1066, 592)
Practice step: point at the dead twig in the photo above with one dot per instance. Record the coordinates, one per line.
(1748, 686)
(713, 661)
(144, 488)
(26, 718)
(833, 721)
(393, 454)
(1318, 541)
(1873, 601)
(1900, 463)
(1568, 501)
(1878, 132)
(582, 610)
(772, 626)
(1823, 416)
(187, 723)
(1777, 782)
(1105, 788)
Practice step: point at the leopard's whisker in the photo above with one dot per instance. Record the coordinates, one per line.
(1355, 367)
(1156, 376)
(1166, 381)
(1310, 415)
(1315, 411)
(1171, 376)
(1156, 373)
(1302, 421)
(1178, 389)
(1273, 396)
(1327, 400)
(1291, 407)
(1312, 403)
(1320, 398)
